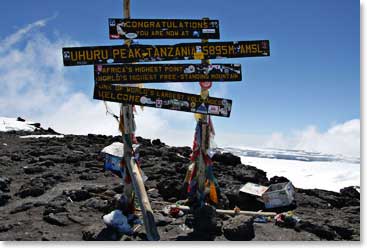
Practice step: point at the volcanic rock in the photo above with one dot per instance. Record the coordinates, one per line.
(350, 192)
(4, 198)
(205, 221)
(98, 204)
(4, 184)
(78, 195)
(33, 169)
(239, 228)
(157, 142)
(22, 208)
(35, 187)
(5, 227)
(59, 219)
(226, 158)
(71, 204)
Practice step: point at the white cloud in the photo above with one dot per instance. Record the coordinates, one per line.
(340, 139)
(36, 85)
(343, 138)
(21, 33)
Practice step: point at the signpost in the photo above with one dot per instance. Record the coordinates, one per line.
(153, 73)
(147, 53)
(163, 29)
(163, 99)
(112, 79)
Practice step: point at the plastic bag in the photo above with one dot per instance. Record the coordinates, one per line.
(118, 220)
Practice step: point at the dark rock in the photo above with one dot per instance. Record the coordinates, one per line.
(205, 220)
(53, 178)
(184, 151)
(74, 158)
(76, 219)
(47, 163)
(350, 192)
(54, 209)
(247, 173)
(98, 232)
(15, 157)
(226, 158)
(98, 204)
(22, 208)
(333, 198)
(149, 151)
(322, 231)
(56, 219)
(161, 220)
(239, 228)
(20, 119)
(157, 142)
(52, 157)
(60, 200)
(168, 189)
(223, 202)
(88, 177)
(5, 227)
(110, 193)
(304, 200)
(35, 187)
(153, 193)
(78, 195)
(4, 184)
(144, 142)
(91, 164)
(4, 198)
(38, 125)
(276, 179)
(95, 188)
(51, 131)
(119, 188)
(271, 232)
(33, 169)
(218, 228)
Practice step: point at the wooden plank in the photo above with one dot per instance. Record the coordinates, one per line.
(73, 56)
(163, 73)
(231, 212)
(163, 29)
(163, 99)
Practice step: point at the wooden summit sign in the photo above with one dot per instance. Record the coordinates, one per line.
(153, 73)
(163, 29)
(146, 53)
(163, 99)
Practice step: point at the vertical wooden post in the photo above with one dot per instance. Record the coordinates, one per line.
(204, 145)
(128, 124)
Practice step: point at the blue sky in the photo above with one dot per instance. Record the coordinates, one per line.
(310, 79)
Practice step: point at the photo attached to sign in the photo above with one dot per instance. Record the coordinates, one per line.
(155, 73)
(164, 99)
(163, 29)
(148, 53)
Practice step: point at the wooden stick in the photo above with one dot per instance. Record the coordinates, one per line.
(204, 142)
(222, 211)
(141, 195)
(137, 181)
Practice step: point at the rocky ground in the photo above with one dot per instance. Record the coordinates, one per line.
(56, 189)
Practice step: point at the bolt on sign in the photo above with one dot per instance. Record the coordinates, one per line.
(163, 29)
(163, 99)
(147, 53)
(153, 73)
